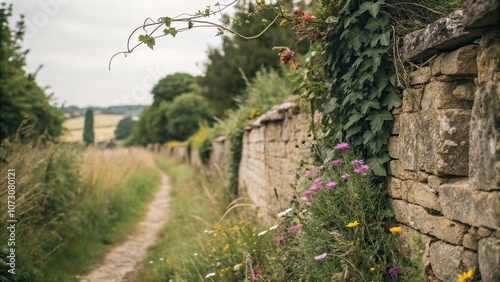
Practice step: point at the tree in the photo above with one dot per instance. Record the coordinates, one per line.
(88, 128)
(185, 114)
(124, 128)
(172, 86)
(22, 102)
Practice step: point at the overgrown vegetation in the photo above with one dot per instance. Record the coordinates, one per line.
(71, 207)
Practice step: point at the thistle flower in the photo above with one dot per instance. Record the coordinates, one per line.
(394, 271)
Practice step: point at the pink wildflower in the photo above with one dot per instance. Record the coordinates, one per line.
(346, 176)
(280, 240)
(303, 199)
(357, 162)
(320, 257)
(342, 146)
(293, 228)
(361, 169)
(337, 162)
(394, 271)
(320, 167)
(309, 172)
(308, 192)
(331, 184)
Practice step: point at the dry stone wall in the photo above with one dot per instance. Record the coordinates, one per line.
(444, 178)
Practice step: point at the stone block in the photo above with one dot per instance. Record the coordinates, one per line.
(408, 154)
(436, 65)
(481, 13)
(484, 232)
(422, 176)
(471, 241)
(256, 135)
(489, 259)
(418, 218)
(395, 169)
(439, 95)
(414, 45)
(273, 132)
(435, 181)
(484, 150)
(394, 187)
(406, 244)
(396, 125)
(275, 149)
(447, 261)
(393, 147)
(412, 99)
(465, 91)
(421, 76)
(461, 62)
(420, 194)
(477, 208)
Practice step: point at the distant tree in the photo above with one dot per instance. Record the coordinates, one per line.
(88, 128)
(124, 128)
(22, 101)
(172, 86)
(185, 114)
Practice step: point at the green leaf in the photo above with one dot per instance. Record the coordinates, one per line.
(392, 100)
(332, 20)
(367, 104)
(374, 9)
(385, 38)
(190, 25)
(166, 21)
(330, 106)
(377, 119)
(379, 141)
(377, 166)
(367, 137)
(148, 40)
(372, 24)
(352, 131)
(353, 118)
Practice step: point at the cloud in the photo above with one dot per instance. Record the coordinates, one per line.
(74, 39)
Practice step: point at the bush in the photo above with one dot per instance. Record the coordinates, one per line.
(185, 114)
(124, 128)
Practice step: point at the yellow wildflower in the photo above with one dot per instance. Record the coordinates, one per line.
(395, 229)
(283, 22)
(226, 247)
(372, 268)
(465, 276)
(352, 224)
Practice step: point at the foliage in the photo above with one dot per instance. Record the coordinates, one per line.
(337, 234)
(71, 206)
(24, 104)
(172, 86)
(124, 128)
(88, 128)
(185, 114)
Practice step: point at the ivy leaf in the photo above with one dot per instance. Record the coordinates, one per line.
(377, 164)
(367, 104)
(375, 9)
(377, 119)
(167, 21)
(385, 38)
(148, 40)
(353, 118)
(330, 106)
(392, 100)
(190, 25)
(352, 131)
(379, 141)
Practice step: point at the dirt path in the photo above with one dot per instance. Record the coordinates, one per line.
(121, 262)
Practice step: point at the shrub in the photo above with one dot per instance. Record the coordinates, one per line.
(184, 115)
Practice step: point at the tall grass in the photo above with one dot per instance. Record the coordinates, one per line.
(71, 203)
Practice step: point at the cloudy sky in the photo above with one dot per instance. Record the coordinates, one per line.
(74, 40)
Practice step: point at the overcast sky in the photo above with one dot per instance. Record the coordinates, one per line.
(74, 40)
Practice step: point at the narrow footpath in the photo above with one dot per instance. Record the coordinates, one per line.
(121, 262)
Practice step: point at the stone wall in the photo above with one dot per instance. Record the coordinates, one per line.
(270, 157)
(444, 178)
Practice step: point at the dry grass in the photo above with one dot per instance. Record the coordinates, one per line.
(104, 128)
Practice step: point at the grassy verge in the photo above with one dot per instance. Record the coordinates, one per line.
(71, 206)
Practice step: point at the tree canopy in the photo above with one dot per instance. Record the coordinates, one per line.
(172, 86)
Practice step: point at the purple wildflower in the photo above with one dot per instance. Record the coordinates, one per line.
(361, 169)
(280, 240)
(291, 53)
(293, 228)
(320, 167)
(256, 272)
(342, 146)
(331, 184)
(394, 271)
(309, 172)
(303, 199)
(320, 257)
(346, 176)
(357, 162)
(337, 162)
(308, 192)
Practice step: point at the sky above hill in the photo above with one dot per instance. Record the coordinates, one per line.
(74, 40)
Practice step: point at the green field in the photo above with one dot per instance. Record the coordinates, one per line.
(104, 128)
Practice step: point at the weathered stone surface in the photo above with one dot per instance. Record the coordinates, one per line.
(412, 99)
(484, 232)
(432, 140)
(439, 95)
(273, 132)
(272, 116)
(489, 259)
(418, 218)
(471, 241)
(422, 176)
(436, 65)
(421, 76)
(447, 261)
(481, 13)
(465, 91)
(394, 187)
(257, 135)
(393, 147)
(477, 208)
(461, 61)
(484, 150)
(396, 125)
(395, 169)
(420, 194)
(414, 45)
(434, 182)
(406, 244)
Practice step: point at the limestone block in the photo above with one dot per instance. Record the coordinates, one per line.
(439, 95)
(489, 259)
(394, 187)
(477, 208)
(421, 76)
(435, 181)
(414, 46)
(412, 99)
(484, 150)
(277, 149)
(273, 132)
(471, 241)
(395, 169)
(447, 261)
(406, 244)
(465, 91)
(484, 232)
(420, 194)
(481, 13)
(393, 147)
(396, 124)
(461, 61)
(408, 154)
(436, 65)
(418, 218)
